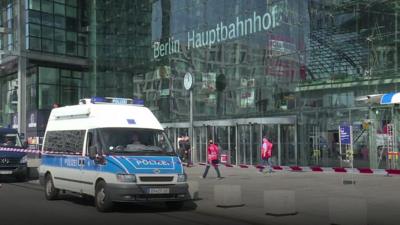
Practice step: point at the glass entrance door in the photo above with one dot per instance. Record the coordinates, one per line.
(200, 139)
(244, 153)
(242, 142)
(288, 145)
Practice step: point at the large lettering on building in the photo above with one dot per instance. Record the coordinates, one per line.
(221, 32)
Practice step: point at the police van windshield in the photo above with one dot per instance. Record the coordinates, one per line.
(120, 141)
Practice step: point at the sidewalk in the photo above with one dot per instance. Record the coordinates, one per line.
(313, 193)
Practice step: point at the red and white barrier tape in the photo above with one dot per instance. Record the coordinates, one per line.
(19, 150)
(35, 151)
(315, 169)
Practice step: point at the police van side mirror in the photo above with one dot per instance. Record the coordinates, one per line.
(92, 152)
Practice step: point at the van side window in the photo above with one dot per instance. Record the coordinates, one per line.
(70, 141)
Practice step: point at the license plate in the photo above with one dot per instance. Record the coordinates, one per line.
(158, 190)
(5, 172)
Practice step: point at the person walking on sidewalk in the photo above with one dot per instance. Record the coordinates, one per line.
(266, 154)
(212, 159)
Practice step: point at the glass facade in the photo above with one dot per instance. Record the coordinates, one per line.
(292, 70)
(57, 26)
(9, 99)
(8, 19)
(255, 59)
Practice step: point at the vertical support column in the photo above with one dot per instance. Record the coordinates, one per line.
(200, 149)
(279, 145)
(373, 152)
(191, 134)
(22, 95)
(173, 132)
(229, 145)
(395, 121)
(21, 67)
(396, 36)
(295, 144)
(260, 141)
(244, 144)
(206, 142)
(93, 46)
(194, 146)
(251, 144)
(237, 144)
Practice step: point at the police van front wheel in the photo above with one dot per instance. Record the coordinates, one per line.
(102, 198)
(50, 191)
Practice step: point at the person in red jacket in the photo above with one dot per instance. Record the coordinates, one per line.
(212, 159)
(266, 154)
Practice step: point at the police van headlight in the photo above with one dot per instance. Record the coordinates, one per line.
(182, 177)
(127, 178)
(24, 160)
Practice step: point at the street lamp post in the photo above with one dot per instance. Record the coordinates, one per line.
(188, 83)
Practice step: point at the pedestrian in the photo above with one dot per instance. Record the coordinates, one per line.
(187, 149)
(266, 154)
(56, 105)
(181, 151)
(212, 159)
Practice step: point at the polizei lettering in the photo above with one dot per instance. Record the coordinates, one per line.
(149, 162)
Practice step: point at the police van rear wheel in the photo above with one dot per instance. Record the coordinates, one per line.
(102, 198)
(50, 191)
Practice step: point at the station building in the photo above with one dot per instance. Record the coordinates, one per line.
(289, 70)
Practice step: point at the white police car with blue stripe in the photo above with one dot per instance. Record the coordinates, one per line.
(114, 150)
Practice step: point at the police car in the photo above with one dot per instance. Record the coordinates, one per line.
(13, 161)
(113, 149)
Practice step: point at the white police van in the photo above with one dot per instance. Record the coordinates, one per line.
(114, 150)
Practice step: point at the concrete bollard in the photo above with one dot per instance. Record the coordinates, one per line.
(34, 162)
(228, 196)
(193, 190)
(347, 211)
(279, 203)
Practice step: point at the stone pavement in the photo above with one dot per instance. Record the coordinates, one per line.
(320, 198)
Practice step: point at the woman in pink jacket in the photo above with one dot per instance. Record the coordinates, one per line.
(212, 159)
(266, 154)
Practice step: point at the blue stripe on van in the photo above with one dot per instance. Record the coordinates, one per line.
(118, 164)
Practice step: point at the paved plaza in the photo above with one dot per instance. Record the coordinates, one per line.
(320, 198)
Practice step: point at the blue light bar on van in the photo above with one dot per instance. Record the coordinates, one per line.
(97, 100)
(121, 101)
(138, 101)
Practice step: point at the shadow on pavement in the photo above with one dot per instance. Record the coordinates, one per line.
(128, 207)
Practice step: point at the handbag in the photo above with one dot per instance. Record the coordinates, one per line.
(215, 161)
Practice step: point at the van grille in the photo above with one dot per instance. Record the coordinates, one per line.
(9, 161)
(156, 179)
